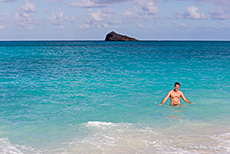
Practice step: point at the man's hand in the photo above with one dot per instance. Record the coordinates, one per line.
(191, 102)
(160, 104)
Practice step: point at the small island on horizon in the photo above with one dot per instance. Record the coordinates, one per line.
(113, 36)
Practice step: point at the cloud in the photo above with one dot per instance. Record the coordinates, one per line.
(148, 7)
(100, 14)
(142, 8)
(7, 0)
(53, 0)
(28, 7)
(58, 19)
(219, 14)
(94, 3)
(109, 18)
(23, 17)
(84, 25)
(87, 4)
(222, 2)
(24, 20)
(2, 27)
(100, 18)
(222, 11)
(193, 13)
(182, 26)
(97, 15)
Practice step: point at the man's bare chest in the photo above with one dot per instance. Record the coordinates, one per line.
(175, 95)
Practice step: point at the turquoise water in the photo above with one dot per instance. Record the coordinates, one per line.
(101, 97)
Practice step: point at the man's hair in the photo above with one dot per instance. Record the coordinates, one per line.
(177, 83)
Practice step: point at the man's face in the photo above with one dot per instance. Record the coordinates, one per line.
(176, 87)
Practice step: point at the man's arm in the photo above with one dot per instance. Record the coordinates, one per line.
(165, 99)
(185, 99)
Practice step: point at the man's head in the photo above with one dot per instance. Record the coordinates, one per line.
(176, 86)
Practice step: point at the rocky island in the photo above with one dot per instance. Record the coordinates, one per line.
(112, 36)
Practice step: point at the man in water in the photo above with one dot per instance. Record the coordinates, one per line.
(175, 95)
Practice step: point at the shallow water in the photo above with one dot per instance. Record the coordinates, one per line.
(102, 97)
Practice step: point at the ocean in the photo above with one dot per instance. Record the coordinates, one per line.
(82, 97)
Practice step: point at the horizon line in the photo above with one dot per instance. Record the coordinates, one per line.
(113, 41)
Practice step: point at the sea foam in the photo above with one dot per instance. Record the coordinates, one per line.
(6, 147)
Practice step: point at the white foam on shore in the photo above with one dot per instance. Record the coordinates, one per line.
(119, 138)
(115, 138)
(223, 140)
(8, 148)
(98, 124)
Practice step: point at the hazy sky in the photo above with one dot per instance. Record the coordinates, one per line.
(92, 19)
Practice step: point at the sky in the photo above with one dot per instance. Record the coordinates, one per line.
(93, 19)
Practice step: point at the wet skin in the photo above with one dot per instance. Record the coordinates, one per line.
(175, 96)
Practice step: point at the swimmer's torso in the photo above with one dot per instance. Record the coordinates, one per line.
(175, 97)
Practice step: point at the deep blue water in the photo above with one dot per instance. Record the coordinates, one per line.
(60, 96)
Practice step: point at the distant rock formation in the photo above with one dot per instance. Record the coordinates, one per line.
(112, 36)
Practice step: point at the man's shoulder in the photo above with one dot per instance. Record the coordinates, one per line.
(180, 92)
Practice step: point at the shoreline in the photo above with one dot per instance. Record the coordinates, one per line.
(107, 137)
